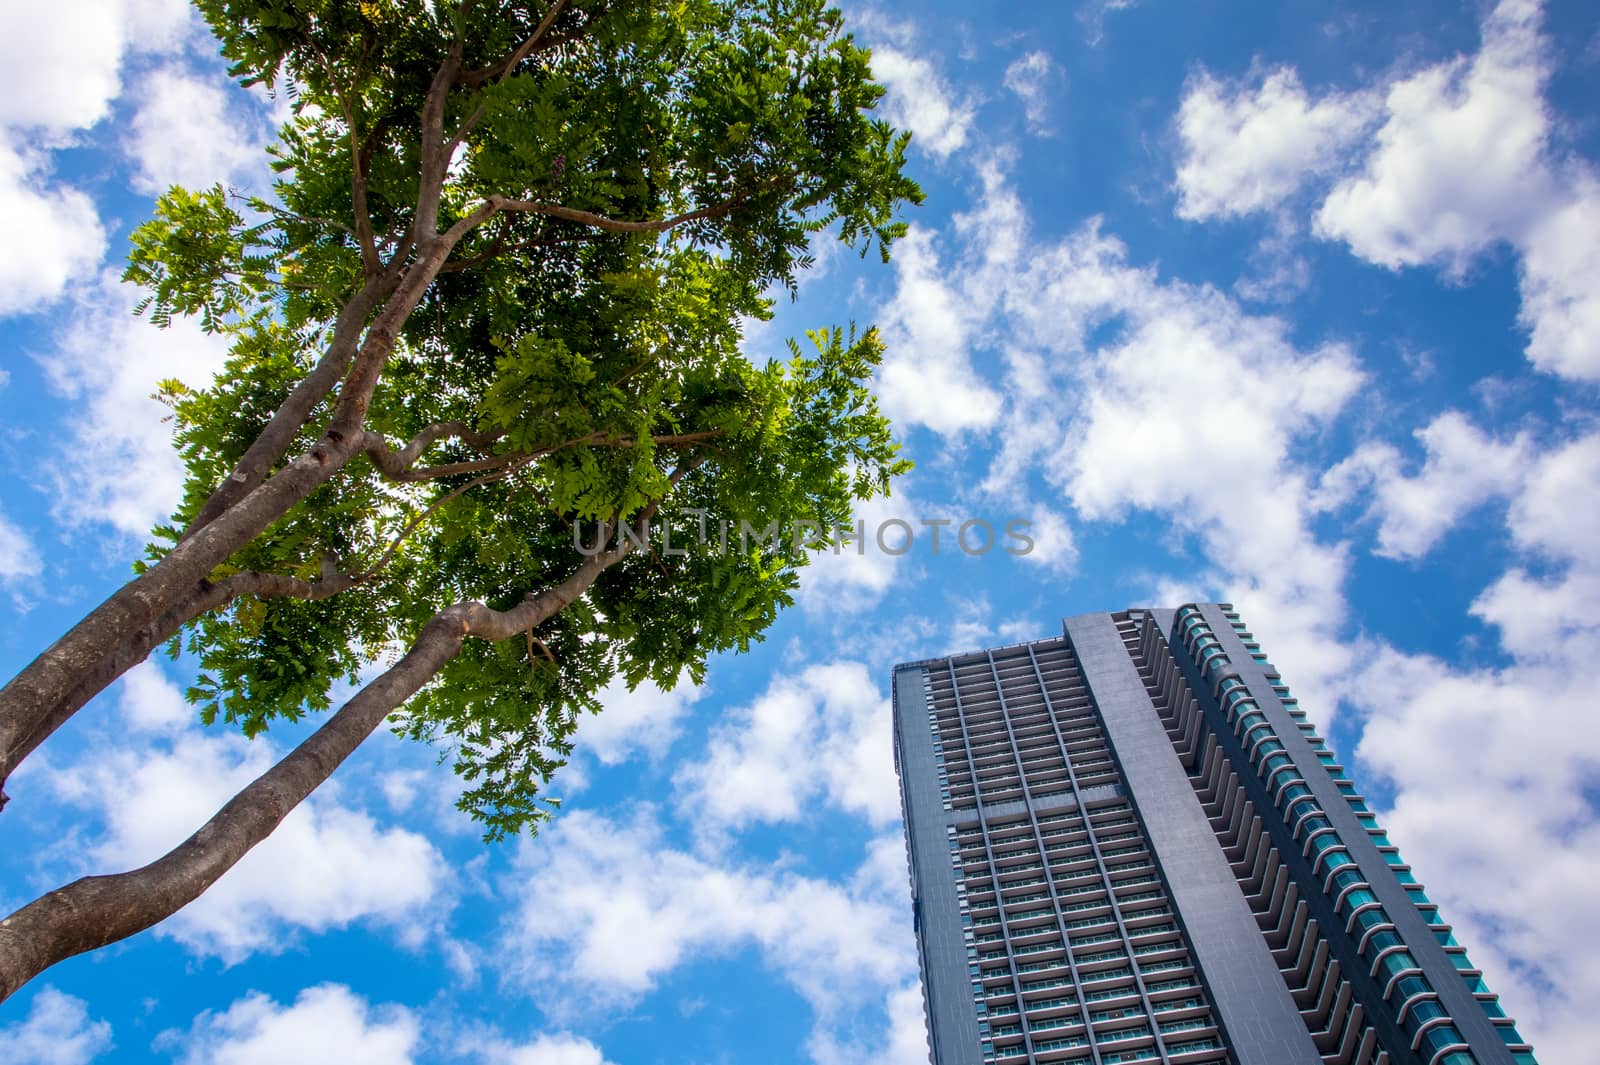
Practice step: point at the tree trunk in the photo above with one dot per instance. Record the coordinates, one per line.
(104, 645)
(99, 910)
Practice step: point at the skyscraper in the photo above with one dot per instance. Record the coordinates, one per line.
(1128, 844)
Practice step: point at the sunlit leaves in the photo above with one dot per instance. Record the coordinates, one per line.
(600, 374)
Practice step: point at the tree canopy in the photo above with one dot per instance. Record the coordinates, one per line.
(486, 343)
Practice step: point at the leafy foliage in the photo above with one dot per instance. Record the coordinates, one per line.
(593, 373)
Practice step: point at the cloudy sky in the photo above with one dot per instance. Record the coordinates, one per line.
(1292, 305)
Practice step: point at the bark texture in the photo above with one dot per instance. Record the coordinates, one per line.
(99, 910)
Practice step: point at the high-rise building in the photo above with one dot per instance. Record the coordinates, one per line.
(1129, 844)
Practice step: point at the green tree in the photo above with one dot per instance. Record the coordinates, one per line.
(491, 316)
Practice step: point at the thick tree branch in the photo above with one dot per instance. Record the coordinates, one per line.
(397, 464)
(99, 910)
(360, 159)
(435, 149)
(292, 415)
(51, 688)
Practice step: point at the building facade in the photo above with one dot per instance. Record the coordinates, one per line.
(1128, 844)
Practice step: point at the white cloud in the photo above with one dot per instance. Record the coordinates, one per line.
(940, 310)
(860, 573)
(119, 466)
(1248, 149)
(927, 377)
(1540, 618)
(1116, 429)
(902, 1041)
(1461, 160)
(60, 65)
(149, 702)
(921, 100)
(57, 1031)
(644, 721)
(326, 1025)
(18, 557)
(195, 131)
(1054, 549)
(1463, 468)
(1092, 16)
(560, 1048)
(1488, 767)
(972, 627)
(824, 735)
(324, 867)
(1458, 160)
(1031, 78)
(1464, 161)
(1561, 280)
(60, 71)
(1103, 361)
(1492, 765)
(606, 909)
(55, 234)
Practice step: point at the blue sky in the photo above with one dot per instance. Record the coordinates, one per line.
(1296, 306)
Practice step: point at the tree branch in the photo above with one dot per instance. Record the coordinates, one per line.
(51, 688)
(98, 910)
(396, 465)
(400, 465)
(360, 159)
(613, 225)
(435, 157)
(503, 68)
(499, 247)
(296, 409)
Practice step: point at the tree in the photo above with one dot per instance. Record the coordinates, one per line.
(485, 345)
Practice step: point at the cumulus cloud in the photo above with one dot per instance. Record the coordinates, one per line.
(120, 468)
(903, 1040)
(60, 70)
(927, 377)
(919, 98)
(56, 1031)
(644, 721)
(325, 1025)
(1464, 161)
(1532, 612)
(606, 908)
(750, 772)
(1102, 360)
(1453, 159)
(855, 577)
(1463, 468)
(1054, 547)
(61, 67)
(1492, 765)
(55, 232)
(973, 626)
(195, 131)
(1249, 148)
(1458, 161)
(327, 865)
(1561, 279)
(1106, 359)
(1228, 478)
(948, 290)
